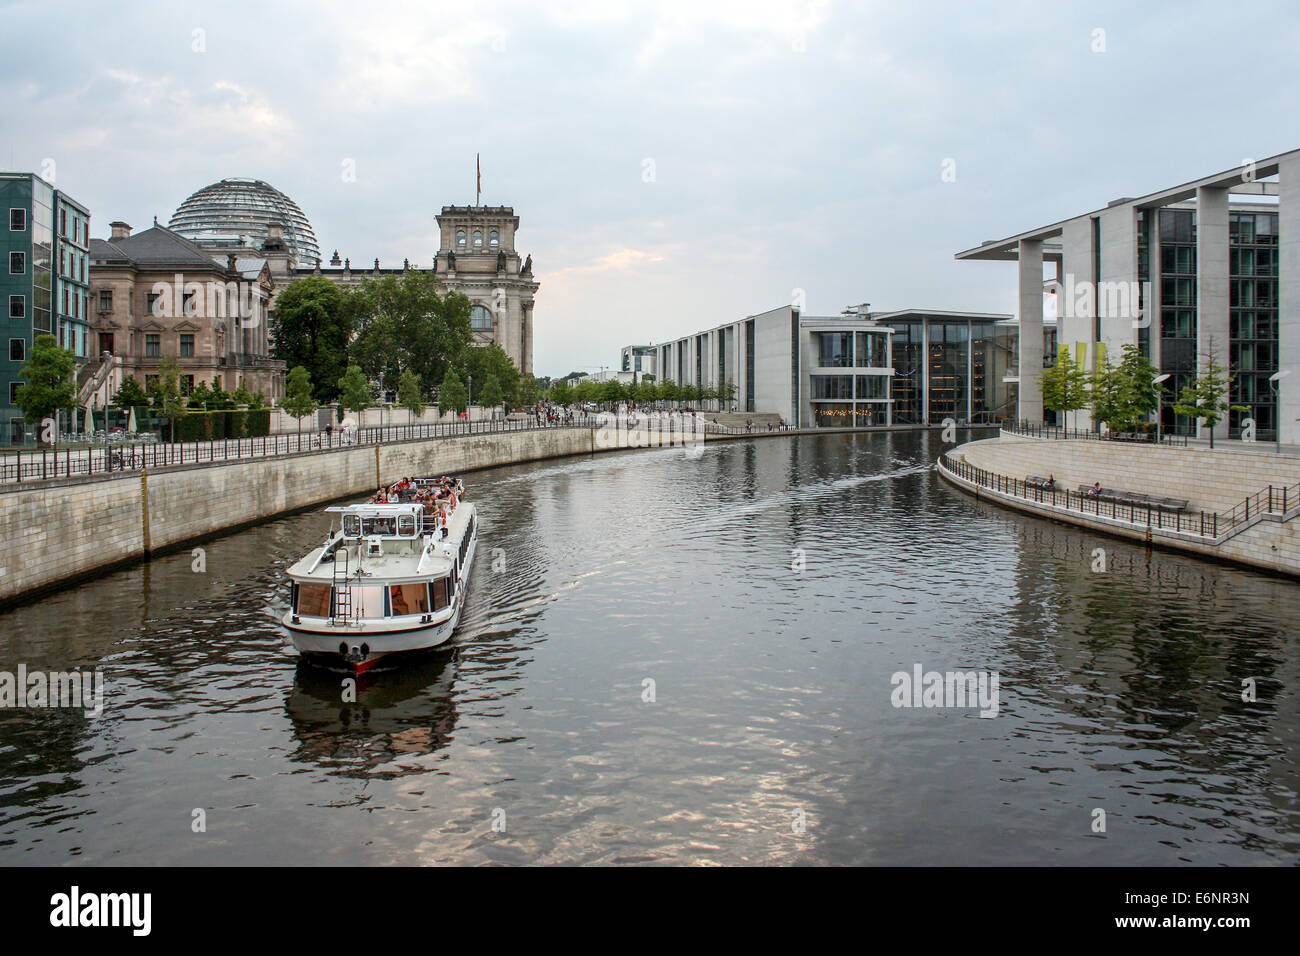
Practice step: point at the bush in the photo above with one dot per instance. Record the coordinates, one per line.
(218, 425)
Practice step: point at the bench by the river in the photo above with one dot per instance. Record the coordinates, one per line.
(1135, 498)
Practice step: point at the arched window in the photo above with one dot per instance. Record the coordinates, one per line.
(460, 238)
(480, 318)
(494, 239)
(478, 238)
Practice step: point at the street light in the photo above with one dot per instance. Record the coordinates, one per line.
(1277, 405)
(1160, 394)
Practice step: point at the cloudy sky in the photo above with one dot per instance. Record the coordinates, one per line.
(675, 165)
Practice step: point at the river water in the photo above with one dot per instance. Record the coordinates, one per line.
(669, 658)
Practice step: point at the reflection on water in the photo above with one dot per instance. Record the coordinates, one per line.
(668, 658)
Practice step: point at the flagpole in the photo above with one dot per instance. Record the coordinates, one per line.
(478, 181)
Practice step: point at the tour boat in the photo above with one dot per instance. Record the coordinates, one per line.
(391, 580)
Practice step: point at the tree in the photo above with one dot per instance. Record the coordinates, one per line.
(166, 392)
(241, 395)
(409, 395)
(1204, 399)
(452, 396)
(312, 325)
(221, 399)
(611, 391)
(484, 362)
(405, 323)
(50, 382)
(528, 393)
(298, 400)
(561, 392)
(490, 396)
(130, 394)
(668, 391)
(1124, 396)
(355, 393)
(1064, 385)
(727, 393)
(201, 397)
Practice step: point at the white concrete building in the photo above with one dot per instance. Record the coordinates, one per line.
(1208, 269)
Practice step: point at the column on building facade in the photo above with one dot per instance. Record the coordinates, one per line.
(1212, 330)
(1031, 331)
(1288, 313)
(1076, 300)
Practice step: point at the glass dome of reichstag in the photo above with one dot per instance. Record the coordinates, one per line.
(237, 212)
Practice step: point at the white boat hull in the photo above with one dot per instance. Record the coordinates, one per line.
(361, 643)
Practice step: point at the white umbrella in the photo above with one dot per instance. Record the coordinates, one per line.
(130, 422)
(90, 420)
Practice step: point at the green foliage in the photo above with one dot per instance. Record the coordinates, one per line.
(406, 324)
(355, 392)
(561, 392)
(1205, 399)
(726, 392)
(49, 377)
(490, 396)
(166, 392)
(312, 325)
(452, 396)
(298, 399)
(491, 361)
(201, 398)
(1065, 384)
(528, 393)
(215, 426)
(241, 395)
(409, 395)
(611, 391)
(130, 394)
(1123, 396)
(668, 391)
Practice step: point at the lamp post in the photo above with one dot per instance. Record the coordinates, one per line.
(469, 401)
(1273, 381)
(1160, 394)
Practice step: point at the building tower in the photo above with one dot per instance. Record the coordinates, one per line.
(477, 257)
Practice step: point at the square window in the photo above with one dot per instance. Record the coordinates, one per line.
(153, 345)
(105, 300)
(17, 350)
(17, 263)
(17, 220)
(17, 307)
(187, 345)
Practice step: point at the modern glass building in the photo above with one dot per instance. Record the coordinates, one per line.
(954, 365)
(44, 282)
(856, 369)
(1205, 271)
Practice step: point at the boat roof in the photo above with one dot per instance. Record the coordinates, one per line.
(379, 511)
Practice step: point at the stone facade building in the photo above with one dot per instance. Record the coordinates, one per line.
(156, 293)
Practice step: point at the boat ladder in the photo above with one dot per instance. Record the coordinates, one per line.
(342, 613)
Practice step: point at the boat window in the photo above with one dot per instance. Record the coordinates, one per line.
(379, 526)
(410, 599)
(438, 589)
(351, 526)
(406, 524)
(369, 601)
(314, 600)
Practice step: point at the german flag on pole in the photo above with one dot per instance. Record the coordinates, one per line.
(478, 181)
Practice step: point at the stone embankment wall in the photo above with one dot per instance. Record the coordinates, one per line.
(1216, 480)
(55, 531)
